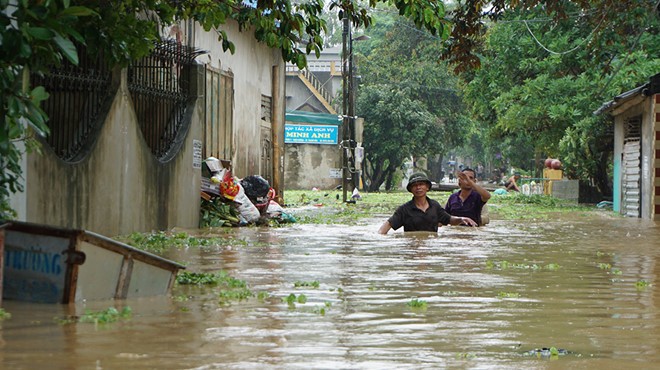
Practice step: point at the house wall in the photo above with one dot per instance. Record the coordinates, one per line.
(309, 165)
(648, 159)
(120, 187)
(252, 66)
(298, 96)
(649, 174)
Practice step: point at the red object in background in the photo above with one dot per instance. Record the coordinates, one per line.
(548, 162)
(556, 164)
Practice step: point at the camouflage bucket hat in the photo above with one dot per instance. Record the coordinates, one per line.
(417, 177)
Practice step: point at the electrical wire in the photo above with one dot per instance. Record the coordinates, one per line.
(578, 46)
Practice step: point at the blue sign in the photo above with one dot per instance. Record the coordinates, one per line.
(310, 134)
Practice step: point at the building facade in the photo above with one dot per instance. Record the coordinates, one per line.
(636, 179)
(126, 145)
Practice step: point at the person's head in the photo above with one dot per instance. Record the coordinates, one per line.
(418, 179)
(471, 174)
(516, 175)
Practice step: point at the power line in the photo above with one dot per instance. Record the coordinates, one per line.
(567, 51)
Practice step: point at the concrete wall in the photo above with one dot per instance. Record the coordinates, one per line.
(309, 165)
(120, 187)
(251, 66)
(565, 189)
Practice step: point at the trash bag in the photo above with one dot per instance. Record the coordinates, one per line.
(245, 207)
(256, 188)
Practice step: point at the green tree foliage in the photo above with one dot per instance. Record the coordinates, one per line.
(608, 20)
(37, 36)
(395, 126)
(541, 80)
(409, 99)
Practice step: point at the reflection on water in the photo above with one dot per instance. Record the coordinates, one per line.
(491, 294)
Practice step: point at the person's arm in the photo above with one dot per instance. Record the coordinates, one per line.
(384, 228)
(462, 221)
(485, 195)
(515, 184)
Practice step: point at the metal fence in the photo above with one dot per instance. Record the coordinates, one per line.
(80, 97)
(160, 86)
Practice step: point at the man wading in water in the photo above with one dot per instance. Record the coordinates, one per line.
(470, 200)
(421, 213)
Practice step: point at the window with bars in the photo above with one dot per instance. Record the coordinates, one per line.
(219, 113)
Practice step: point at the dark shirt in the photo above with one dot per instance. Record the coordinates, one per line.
(414, 219)
(471, 207)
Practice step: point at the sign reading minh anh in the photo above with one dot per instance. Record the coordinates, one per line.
(310, 134)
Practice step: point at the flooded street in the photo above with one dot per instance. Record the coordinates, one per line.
(464, 298)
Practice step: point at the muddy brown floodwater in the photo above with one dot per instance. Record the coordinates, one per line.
(584, 284)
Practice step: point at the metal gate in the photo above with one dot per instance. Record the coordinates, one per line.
(631, 180)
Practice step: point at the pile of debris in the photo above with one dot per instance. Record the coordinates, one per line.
(230, 201)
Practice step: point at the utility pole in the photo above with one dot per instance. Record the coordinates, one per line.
(349, 86)
(351, 113)
(345, 129)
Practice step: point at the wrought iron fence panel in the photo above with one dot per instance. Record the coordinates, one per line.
(160, 87)
(80, 98)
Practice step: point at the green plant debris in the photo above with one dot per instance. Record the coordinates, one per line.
(262, 296)
(199, 278)
(159, 242)
(231, 289)
(216, 213)
(234, 294)
(642, 284)
(292, 299)
(417, 304)
(552, 266)
(466, 355)
(107, 316)
(604, 266)
(4, 315)
(503, 295)
(181, 298)
(504, 265)
(551, 353)
(311, 284)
